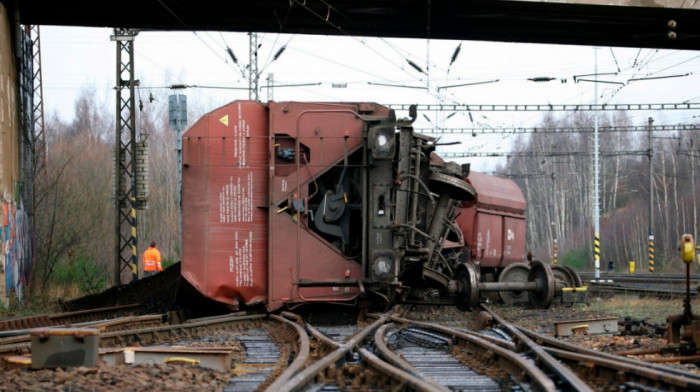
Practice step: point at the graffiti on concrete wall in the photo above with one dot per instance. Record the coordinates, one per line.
(15, 248)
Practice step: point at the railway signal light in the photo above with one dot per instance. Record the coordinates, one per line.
(687, 248)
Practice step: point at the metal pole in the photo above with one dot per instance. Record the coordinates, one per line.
(692, 181)
(554, 213)
(118, 175)
(253, 67)
(179, 182)
(596, 204)
(132, 164)
(178, 119)
(687, 311)
(555, 258)
(651, 195)
(125, 157)
(270, 85)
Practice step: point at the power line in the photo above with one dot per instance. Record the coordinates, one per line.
(548, 107)
(537, 154)
(522, 130)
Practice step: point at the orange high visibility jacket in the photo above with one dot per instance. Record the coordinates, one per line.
(151, 260)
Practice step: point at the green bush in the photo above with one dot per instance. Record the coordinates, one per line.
(166, 262)
(578, 259)
(91, 278)
(84, 274)
(64, 274)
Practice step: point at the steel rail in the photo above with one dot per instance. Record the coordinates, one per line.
(626, 289)
(398, 362)
(654, 276)
(508, 358)
(372, 360)
(630, 372)
(23, 335)
(566, 376)
(309, 374)
(451, 331)
(119, 338)
(679, 378)
(62, 318)
(138, 335)
(302, 354)
(408, 379)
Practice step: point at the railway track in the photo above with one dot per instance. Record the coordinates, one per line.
(661, 278)
(59, 319)
(603, 370)
(656, 291)
(644, 285)
(384, 351)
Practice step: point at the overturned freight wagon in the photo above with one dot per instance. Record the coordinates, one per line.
(289, 203)
(494, 222)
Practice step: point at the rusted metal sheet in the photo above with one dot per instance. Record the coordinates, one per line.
(224, 196)
(494, 224)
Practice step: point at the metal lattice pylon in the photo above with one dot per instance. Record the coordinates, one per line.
(39, 140)
(126, 257)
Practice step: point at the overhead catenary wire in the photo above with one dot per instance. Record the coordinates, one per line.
(561, 130)
(495, 154)
(642, 58)
(192, 30)
(548, 107)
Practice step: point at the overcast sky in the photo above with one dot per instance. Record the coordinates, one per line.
(77, 58)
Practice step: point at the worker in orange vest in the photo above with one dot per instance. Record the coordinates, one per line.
(151, 261)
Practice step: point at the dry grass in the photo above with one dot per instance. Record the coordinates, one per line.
(652, 309)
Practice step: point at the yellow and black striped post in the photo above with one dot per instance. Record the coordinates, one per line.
(596, 251)
(651, 253)
(134, 248)
(555, 258)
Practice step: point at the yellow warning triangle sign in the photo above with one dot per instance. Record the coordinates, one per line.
(224, 120)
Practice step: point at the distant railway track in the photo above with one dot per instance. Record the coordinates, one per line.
(665, 278)
(58, 319)
(643, 285)
(621, 289)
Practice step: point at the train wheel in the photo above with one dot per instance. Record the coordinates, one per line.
(454, 187)
(564, 275)
(577, 278)
(544, 295)
(517, 272)
(468, 292)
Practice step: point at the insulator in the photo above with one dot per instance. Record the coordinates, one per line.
(279, 53)
(455, 53)
(414, 65)
(233, 56)
(541, 79)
